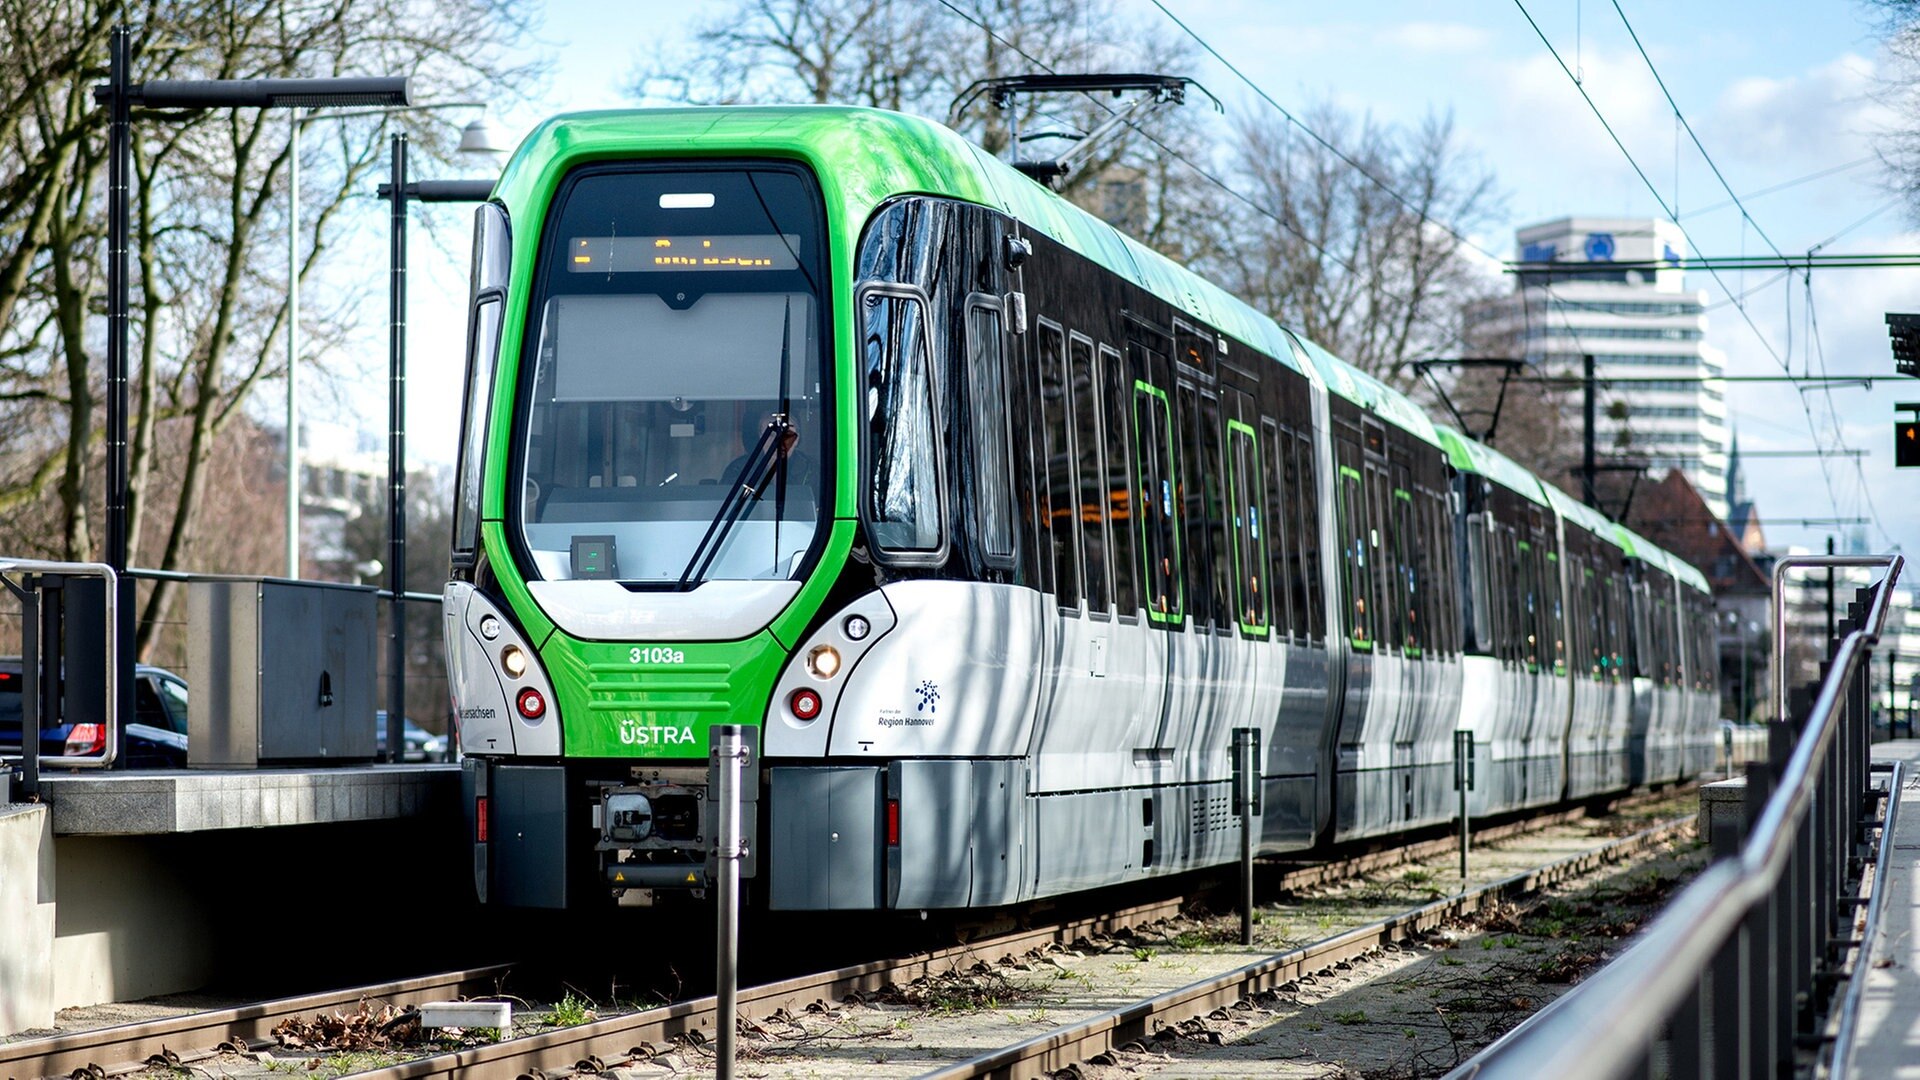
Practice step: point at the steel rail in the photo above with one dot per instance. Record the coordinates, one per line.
(1333, 871)
(195, 1033)
(1603, 1029)
(623, 1037)
(1072, 1043)
(61, 1055)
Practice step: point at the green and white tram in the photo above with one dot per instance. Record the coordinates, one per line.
(994, 522)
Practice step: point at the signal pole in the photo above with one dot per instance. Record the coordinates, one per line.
(1587, 465)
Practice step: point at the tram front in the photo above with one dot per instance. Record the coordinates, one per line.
(646, 488)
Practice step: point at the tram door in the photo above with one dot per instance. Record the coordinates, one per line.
(1155, 517)
(1195, 657)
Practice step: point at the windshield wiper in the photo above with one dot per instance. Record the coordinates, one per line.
(746, 490)
(768, 453)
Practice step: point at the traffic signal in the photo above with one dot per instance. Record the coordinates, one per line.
(1906, 444)
(1905, 331)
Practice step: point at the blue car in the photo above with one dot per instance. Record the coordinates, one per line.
(156, 733)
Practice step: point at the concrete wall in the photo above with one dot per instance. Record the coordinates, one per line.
(26, 918)
(253, 913)
(131, 921)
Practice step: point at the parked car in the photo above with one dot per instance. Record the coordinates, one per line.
(156, 732)
(416, 742)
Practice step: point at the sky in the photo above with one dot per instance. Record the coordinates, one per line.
(1774, 90)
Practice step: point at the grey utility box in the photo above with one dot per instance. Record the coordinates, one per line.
(280, 672)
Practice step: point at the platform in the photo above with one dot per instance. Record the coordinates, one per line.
(160, 802)
(1887, 1040)
(120, 885)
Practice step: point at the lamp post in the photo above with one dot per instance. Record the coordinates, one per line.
(477, 138)
(119, 94)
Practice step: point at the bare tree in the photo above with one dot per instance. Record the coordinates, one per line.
(919, 56)
(211, 206)
(1357, 242)
(1899, 148)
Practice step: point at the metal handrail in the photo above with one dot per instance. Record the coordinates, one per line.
(1605, 1027)
(1779, 607)
(112, 635)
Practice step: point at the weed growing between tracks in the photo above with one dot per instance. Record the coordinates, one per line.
(1420, 1009)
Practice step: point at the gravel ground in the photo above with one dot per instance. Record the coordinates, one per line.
(1412, 1011)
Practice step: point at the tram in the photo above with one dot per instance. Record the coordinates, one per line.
(996, 525)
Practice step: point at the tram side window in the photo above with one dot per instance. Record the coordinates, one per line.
(1354, 564)
(1120, 508)
(1062, 499)
(1382, 559)
(1029, 473)
(1307, 498)
(1408, 576)
(1091, 501)
(993, 494)
(1247, 518)
(1446, 578)
(1159, 525)
(484, 339)
(1214, 503)
(1283, 548)
(1190, 496)
(903, 501)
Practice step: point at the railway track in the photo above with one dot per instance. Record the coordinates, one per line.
(198, 1034)
(1077, 1042)
(639, 1034)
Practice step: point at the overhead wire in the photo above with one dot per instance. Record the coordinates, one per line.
(1389, 189)
(1739, 304)
(1681, 118)
(1453, 335)
(1784, 185)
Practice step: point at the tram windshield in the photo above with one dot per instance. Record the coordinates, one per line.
(678, 316)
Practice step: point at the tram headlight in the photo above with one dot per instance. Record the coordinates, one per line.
(856, 627)
(513, 660)
(824, 661)
(489, 627)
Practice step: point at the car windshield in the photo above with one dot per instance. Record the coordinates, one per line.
(679, 317)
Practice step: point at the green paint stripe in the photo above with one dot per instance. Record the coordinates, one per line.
(1254, 631)
(662, 707)
(1401, 493)
(1552, 557)
(1412, 651)
(605, 687)
(1360, 644)
(1346, 471)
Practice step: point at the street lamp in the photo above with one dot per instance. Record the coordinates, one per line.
(477, 138)
(119, 94)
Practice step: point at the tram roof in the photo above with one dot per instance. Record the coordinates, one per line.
(862, 157)
(1652, 554)
(1475, 457)
(1367, 391)
(1581, 514)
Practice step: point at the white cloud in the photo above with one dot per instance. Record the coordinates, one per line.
(1438, 37)
(1823, 116)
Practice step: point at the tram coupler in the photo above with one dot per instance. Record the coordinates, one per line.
(653, 830)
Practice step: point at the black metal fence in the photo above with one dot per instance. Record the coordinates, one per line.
(1750, 971)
